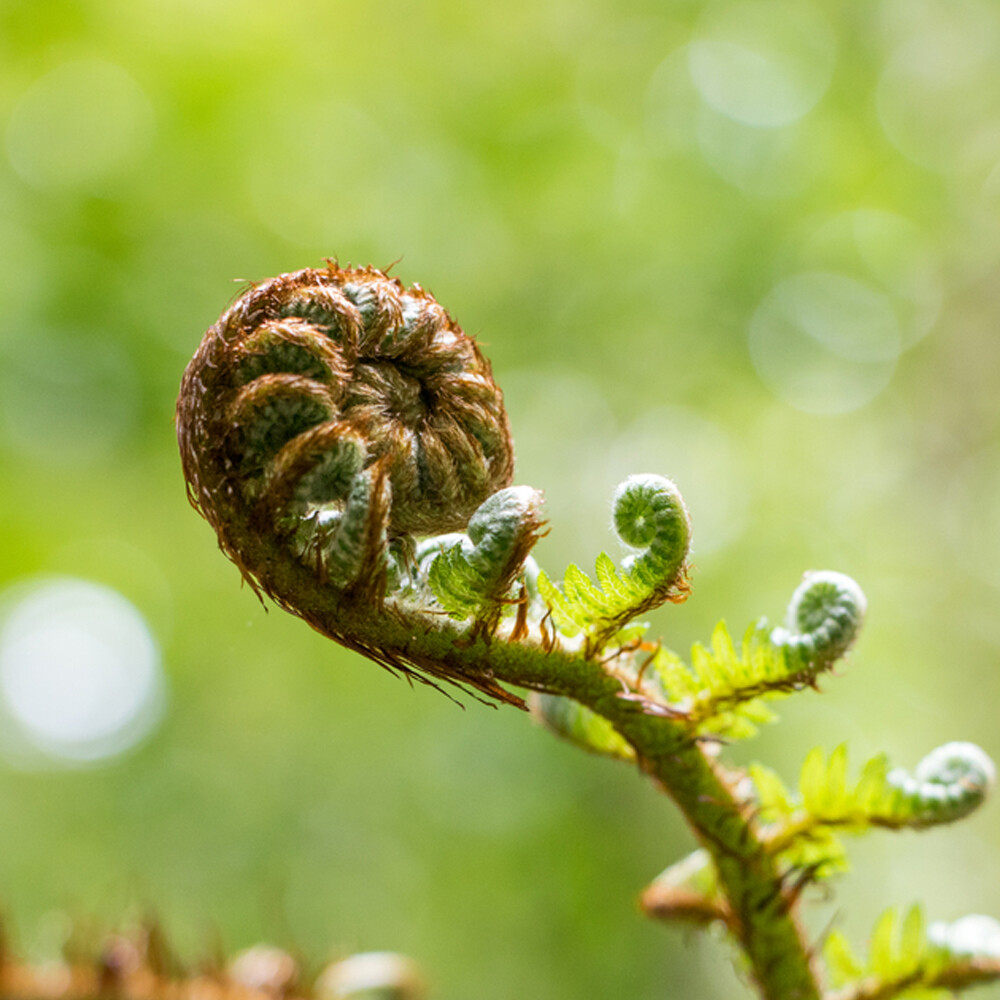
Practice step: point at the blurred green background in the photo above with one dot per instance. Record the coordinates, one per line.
(752, 246)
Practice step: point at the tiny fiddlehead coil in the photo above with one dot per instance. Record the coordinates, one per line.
(824, 617)
(342, 411)
(471, 574)
(949, 783)
(649, 514)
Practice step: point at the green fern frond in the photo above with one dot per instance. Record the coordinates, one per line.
(580, 606)
(842, 964)
(908, 959)
(649, 515)
(732, 682)
(775, 802)
(723, 691)
(824, 617)
(947, 785)
(471, 576)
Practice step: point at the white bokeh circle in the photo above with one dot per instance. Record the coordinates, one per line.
(824, 342)
(80, 676)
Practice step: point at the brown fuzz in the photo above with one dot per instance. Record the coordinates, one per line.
(329, 416)
(318, 354)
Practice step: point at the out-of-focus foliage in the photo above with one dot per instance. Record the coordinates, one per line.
(751, 246)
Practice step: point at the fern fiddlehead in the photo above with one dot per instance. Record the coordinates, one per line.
(330, 416)
(947, 784)
(648, 515)
(471, 575)
(336, 402)
(347, 442)
(824, 617)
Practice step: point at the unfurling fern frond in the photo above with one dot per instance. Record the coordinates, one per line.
(348, 444)
(908, 959)
(649, 515)
(948, 784)
(472, 575)
(724, 690)
(824, 617)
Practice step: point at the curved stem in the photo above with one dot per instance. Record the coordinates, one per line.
(764, 922)
(762, 905)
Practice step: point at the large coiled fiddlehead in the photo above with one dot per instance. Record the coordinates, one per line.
(346, 440)
(339, 408)
(329, 417)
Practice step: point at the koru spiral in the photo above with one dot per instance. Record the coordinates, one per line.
(343, 412)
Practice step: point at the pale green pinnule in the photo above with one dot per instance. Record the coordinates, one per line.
(580, 726)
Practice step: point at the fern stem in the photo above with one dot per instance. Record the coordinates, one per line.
(762, 905)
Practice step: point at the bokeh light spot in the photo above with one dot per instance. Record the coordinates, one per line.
(671, 106)
(892, 253)
(82, 124)
(938, 91)
(80, 676)
(825, 343)
(763, 63)
(766, 163)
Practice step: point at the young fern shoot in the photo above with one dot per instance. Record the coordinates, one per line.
(346, 440)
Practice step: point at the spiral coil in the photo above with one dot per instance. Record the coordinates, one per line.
(343, 411)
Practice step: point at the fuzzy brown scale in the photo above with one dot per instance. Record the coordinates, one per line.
(307, 368)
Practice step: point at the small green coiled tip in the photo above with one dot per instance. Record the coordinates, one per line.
(506, 515)
(958, 764)
(947, 785)
(648, 512)
(823, 593)
(471, 574)
(824, 617)
(973, 936)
